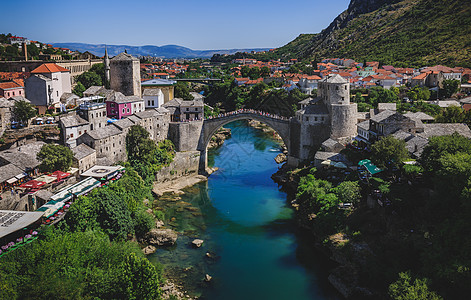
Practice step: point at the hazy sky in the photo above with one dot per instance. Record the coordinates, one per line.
(197, 24)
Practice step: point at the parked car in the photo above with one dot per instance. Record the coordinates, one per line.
(38, 121)
(16, 125)
(50, 120)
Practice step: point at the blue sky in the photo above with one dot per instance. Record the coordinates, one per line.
(197, 24)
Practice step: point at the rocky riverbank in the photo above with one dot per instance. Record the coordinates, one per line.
(341, 248)
(217, 140)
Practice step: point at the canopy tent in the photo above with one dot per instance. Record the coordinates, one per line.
(326, 162)
(369, 166)
(32, 184)
(60, 175)
(46, 179)
(339, 165)
(12, 221)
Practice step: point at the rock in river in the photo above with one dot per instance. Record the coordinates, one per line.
(161, 237)
(197, 243)
(149, 250)
(280, 158)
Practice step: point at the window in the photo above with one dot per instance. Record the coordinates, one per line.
(153, 103)
(315, 119)
(336, 87)
(71, 135)
(128, 110)
(187, 109)
(85, 131)
(123, 110)
(13, 93)
(148, 102)
(80, 132)
(57, 92)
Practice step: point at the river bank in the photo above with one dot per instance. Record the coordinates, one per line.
(348, 251)
(251, 244)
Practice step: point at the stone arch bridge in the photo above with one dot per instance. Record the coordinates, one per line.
(211, 126)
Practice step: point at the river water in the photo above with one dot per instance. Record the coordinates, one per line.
(252, 248)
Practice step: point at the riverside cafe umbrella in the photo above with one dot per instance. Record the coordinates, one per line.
(32, 184)
(60, 175)
(369, 166)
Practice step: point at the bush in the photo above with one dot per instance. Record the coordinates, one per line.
(143, 222)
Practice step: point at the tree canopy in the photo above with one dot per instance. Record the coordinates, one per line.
(54, 158)
(23, 111)
(388, 152)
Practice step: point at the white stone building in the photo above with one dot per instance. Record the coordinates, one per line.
(153, 98)
(46, 85)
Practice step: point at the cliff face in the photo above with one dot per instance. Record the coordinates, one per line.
(400, 32)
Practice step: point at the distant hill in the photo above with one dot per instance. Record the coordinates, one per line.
(168, 51)
(398, 32)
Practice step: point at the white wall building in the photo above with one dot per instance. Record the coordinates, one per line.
(46, 86)
(153, 98)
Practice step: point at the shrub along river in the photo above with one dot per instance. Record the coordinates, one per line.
(252, 247)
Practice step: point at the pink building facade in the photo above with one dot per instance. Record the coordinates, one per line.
(11, 89)
(120, 106)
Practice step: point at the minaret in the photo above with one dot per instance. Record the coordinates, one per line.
(107, 66)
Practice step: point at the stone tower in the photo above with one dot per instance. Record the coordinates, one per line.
(125, 74)
(335, 93)
(107, 66)
(330, 115)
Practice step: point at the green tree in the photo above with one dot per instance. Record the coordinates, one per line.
(182, 91)
(244, 71)
(89, 79)
(135, 139)
(450, 86)
(33, 50)
(23, 111)
(264, 72)
(143, 222)
(140, 278)
(388, 152)
(405, 289)
(55, 157)
(453, 114)
(348, 192)
(254, 73)
(439, 146)
(79, 89)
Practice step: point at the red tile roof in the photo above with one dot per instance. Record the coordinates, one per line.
(9, 85)
(49, 68)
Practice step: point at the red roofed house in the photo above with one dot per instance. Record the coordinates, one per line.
(46, 85)
(241, 81)
(11, 89)
(308, 83)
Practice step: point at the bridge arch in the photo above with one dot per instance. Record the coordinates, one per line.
(211, 126)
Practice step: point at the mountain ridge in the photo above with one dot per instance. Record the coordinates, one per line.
(166, 51)
(399, 32)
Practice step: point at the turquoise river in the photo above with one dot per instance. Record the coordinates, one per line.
(252, 248)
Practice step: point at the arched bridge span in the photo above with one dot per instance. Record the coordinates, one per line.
(210, 126)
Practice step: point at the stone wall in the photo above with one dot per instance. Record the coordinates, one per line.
(185, 135)
(125, 77)
(184, 164)
(344, 120)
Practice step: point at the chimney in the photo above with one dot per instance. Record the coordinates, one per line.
(25, 50)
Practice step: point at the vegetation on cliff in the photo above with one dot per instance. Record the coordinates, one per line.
(417, 240)
(402, 33)
(89, 254)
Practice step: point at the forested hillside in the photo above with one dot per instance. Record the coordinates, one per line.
(402, 33)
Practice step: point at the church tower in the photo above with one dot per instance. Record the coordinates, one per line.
(107, 67)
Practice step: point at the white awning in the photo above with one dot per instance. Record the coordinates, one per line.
(20, 176)
(11, 180)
